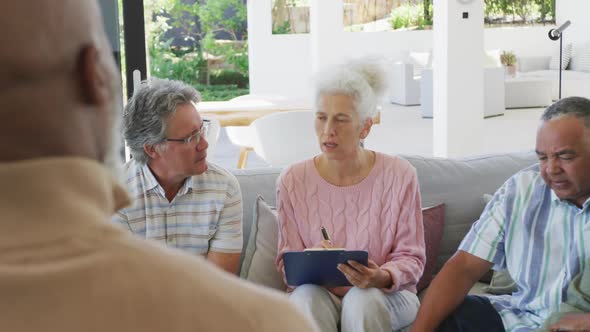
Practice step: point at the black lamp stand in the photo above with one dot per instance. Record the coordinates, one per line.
(555, 34)
(560, 61)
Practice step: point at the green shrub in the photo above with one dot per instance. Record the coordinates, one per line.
(220, 92)
(408, 16)
(508, 58)
(398, 21)
(240, 61)
(226, 77)
(188, 67)
(282, 29)
(187, 64)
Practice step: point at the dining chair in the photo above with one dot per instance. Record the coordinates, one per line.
(212, 134)
(284, 138)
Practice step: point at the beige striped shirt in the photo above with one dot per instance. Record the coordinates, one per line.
(206, 214)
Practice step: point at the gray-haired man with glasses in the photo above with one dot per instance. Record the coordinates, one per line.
(178, 198)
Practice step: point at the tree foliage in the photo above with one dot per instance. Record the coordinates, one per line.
(416, 14)
(201, 24)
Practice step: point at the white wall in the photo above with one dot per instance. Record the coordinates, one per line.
(278, 64)
(578, 12)
(282, 64)
(523, 41)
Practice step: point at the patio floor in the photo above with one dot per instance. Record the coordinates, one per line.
(403, 131)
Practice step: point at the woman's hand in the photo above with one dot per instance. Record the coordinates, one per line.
(365, 276)
(324, 244)
(574, 322)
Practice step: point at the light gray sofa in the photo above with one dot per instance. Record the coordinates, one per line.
(573, 82)
(460, 184)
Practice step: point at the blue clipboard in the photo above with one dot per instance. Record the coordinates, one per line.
(319, 267)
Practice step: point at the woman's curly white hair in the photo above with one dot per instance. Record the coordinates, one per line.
(364, 80)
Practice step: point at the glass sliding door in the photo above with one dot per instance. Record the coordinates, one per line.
(200, 42)
(134, 37)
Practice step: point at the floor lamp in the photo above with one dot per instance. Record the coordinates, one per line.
(555, 34)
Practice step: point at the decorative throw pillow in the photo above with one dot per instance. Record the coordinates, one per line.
(581, 60)
(565, 59)
(420, 60)
(433, 219)
(492, 58)
(259, 259)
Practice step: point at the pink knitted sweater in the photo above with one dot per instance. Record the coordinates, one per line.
(381, 215)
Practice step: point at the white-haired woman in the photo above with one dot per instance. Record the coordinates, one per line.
(366, 201)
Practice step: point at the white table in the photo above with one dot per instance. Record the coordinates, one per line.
(522, 92)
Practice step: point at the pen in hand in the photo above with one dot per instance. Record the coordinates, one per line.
(326, 242)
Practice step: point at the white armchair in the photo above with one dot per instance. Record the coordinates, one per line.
(405, 86)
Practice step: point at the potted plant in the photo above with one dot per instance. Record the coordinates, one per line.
(508, 59)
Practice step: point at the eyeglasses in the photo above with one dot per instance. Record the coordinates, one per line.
(196, 136)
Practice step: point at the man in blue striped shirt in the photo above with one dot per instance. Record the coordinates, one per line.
(178, 198)
(536, 227)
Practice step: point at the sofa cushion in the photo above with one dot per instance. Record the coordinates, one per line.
(433, 219)
(554, 75)
(581, 60)
(460, 184)
(259, 260)
(421, 61)
(255, 182)
(533, 63)
(565, 59)
(492, 58)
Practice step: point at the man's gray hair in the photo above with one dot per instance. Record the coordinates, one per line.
(147, 112)
(363, 80)
(570, 106)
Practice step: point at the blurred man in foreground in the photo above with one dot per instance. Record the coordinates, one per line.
(63, 265)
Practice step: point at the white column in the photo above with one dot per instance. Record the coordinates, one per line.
(259, 34)
(458, 93)
(326, 29)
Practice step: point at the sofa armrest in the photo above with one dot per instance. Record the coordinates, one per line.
(533, 63)
(402, 73)
(405, 89)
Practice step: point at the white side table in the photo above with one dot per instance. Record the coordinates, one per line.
(522, 92)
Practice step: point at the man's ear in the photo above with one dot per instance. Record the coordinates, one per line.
(366, 128)
(151, 151)
(93, 77)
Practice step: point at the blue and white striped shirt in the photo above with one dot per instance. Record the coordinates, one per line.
(205, 215)
(539, 239)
